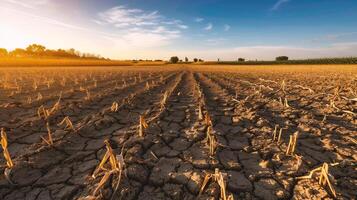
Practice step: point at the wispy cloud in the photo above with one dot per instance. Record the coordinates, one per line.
(140, 28)
(208, 27)
(28, 4)
(47, 20)
(176, 22)
(227, 27)
(120, 16)
(199, 19)
(215, 41)
(278, 4)
(335, 37)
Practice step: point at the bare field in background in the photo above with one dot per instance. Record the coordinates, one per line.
(179, 132)
(43, 62)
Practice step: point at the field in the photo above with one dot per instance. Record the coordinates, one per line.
(179, 132)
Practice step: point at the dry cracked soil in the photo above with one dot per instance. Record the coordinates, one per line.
(172, 158)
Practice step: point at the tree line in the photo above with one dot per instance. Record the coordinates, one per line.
(40, 51)
(278, 60)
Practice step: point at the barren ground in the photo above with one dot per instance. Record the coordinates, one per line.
(245, 105)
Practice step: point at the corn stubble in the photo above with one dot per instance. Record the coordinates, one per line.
(324, 177)
(142, 125)
(6, 153)
(110, 165)
(68, 124)
(217, 177)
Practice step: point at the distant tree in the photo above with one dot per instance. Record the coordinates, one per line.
(3, 52)
(217, 59)
(241, 59)
(35, 49)
(195, 60)
(282, 58)
(186, 59)
(18, 52)
(200, 60)
(174, 59)
(71, 51)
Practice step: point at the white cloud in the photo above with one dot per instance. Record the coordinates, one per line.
(209, 27)
(278, 4)
(139, 28)
(120, 16)
(181, 26)
(227, 27)
(199, 19)
(177, 23)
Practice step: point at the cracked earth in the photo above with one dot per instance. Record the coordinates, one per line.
(173, 157)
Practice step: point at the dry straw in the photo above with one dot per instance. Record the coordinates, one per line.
(114, 107)
(275, 136)
(68, 123)
(87, 94)
(200, 114)
(39, 96)
(142, 125)
(211, 141)
(323, 177)
(116, 164)
(292, 144)
(48, 141)
(208, 120)
(217, 177)
(41, 111)
(6, 153)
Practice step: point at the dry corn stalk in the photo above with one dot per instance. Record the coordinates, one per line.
(292, 144)
(116, 167)
(41, 111)
(200, 115)
(217, 177)
(108, 155)
(323, 178)
(274, 133)
(56, 105)
(68, 123)
(34, 86)
(63, 82)
(282, 86)
(29, 100)
(87, 94)
(279, 136)
(163, 101)
(49, 141)
(82, 89)
(114, 107)
(147, 86)
(39, 96)
(208, 120)
(6, 153)
(142, 125)
(212, 141)
(286, 103)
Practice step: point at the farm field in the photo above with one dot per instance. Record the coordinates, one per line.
(179, 132)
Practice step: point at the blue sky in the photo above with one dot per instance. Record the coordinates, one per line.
(209, 29)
